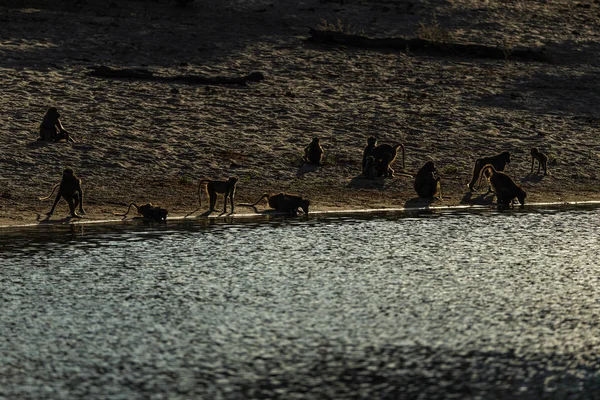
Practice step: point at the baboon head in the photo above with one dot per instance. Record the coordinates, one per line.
(534, 151)
(429, 167)
(372, 141)
(506, 156)
(521, 196)
(315, 140)
(53, 112)
(233, 179)
(68, 173)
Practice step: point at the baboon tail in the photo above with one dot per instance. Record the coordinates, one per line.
(401, 146)
(128, 208)
(50, 195)
(200, 191)
(484, 170)
(266, 195)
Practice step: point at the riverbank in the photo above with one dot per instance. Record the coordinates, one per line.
(149, 141)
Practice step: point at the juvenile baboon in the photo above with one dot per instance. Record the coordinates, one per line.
(148, 211)
(505, 188)
(541, 158)
(369, 168)
(69, 189)
(313, 153)
(51, 128)
(384, 156)
(282, 202)
(227, 188)
(427, 181)
(498, 161)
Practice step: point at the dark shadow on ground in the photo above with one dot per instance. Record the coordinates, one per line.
(418, 202)
(306, 168)
(477, 198)
(532, 178)
(363, 183)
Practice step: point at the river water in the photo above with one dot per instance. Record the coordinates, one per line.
(437, 305)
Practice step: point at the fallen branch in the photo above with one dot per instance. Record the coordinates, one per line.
(422, 45)
(144, 74)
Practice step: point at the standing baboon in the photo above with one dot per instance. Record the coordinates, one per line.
(384, 156)
(369, 168)
(69, 189)
(498, 161)
(313, 153)
(427, 181)
(541, 158)
(51, 128)
(283, 202)
(227, 188)
(504, 187)
(148, 211)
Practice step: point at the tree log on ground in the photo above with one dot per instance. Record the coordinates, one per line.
(144, 74)
(422, 45)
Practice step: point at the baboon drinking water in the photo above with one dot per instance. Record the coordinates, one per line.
(498, 161)
(227, 188)
(503, 186)
(384, 155)
(541, 158)
(283, 202)
(313, 153)
(69, 189)
(427, 181)
(148, 211)
(51, 128)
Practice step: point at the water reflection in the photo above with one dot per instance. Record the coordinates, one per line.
(434, 305)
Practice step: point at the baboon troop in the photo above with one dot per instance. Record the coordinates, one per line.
(283, 202)
(541, 158)
(498, 161)
(427, 181)
(69, 189)
(384, 156)
(377, 162)
(313, 153)
(227, 188)
(503, 186)
(51, 129)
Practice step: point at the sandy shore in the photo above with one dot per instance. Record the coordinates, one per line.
(148, 141)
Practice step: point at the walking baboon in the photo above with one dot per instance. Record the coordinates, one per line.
(541, 158)
(384, 155)
(313, 153)
(498, 161)
(283, 202)
(51, 128)
(505, 188)
(227, 188)
(148, 211)
(69, 189)
(427, 181)
(369, 169)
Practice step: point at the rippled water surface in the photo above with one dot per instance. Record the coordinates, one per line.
(464, 305)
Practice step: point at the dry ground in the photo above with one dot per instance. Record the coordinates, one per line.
(149, 141)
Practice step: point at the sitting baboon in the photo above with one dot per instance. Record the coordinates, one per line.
(384, 156)
(498, 161)
(51, 128)
(369, 168)
(313, 153)
(427, 181)
(541, 158)
(148, 211)
(283, 202)
(503, 186)
(227, 188)
(69, 189)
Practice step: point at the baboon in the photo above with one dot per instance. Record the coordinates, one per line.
(384, 155)
(313, 153)
(369, 168)
(51, 128)
(148, 211)
(283, 202)
(542, 160)
(227, 188)
(505, 188)
(69, 189)
(427, 181)
(498, 161)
